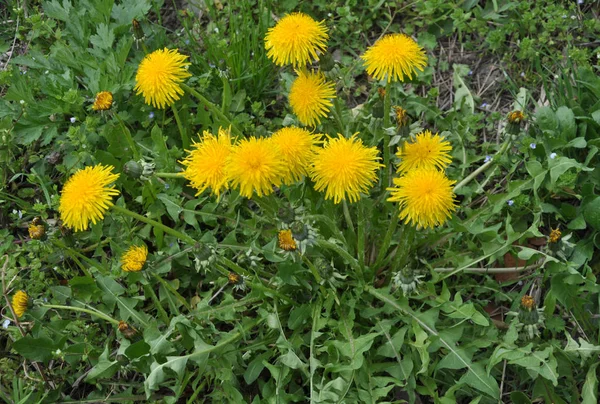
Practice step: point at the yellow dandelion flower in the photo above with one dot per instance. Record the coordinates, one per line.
(297, 147)
(19, 303)
(344, 168)
(255, 166)
(296, 39)
(86, 196)
(425, 197)
(103, 101)
(555, 235)
(394, 56)
(426, 151)
(134, 258)
(516, 117)
(205, 164)
(527, 302)
(159, 75)
(36, 231)
(286, 240)
(310, 97)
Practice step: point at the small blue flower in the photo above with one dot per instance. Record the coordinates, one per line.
(487, 158)
(522, 74)
(533, 146)
(552, 156)
(187, 41)
(470, 72)
(167, 186)
(510, 202)
(73, 119)
(579, 1)
(151, 115)
(5, 324)
(484, 105)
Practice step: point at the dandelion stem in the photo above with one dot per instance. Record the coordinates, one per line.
(81, 309)
(386, 139)
(213, 108)
(386, 242)
(360, 243)
(185, 140)
(148, 290)
(127, 133)
(348, 218)
(168, 175)
(166, 229)
(337, 114)
(484, 166)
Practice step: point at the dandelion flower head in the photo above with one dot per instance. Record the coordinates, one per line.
(426, 150)
(296, 39)
(159, 76)
(310, 97)
(286, 241)
(344, 168)
(297, 147)
(205, 163)
(255, 166)
(395, 56)
(87, 196)
(19, 303)
(134, 258)
(103, 101)
(425, 197)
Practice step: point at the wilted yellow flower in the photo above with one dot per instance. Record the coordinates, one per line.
(36, 231)
(134, 258)
(516, 117)
(401, 116)
(555, 235)
(344, 168)
(234, 278)
(86, 196)
(205, 163)
(297, 147)
(103, 101)
(425, 197)
(19, 303)
(394, 56)
(427, 150)
(255, 166)
(159, 75)
(310, 97)
(527, 302)
(286, 240)
(296, 39)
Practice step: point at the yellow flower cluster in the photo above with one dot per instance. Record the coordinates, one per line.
(424, 193)
(342, 168)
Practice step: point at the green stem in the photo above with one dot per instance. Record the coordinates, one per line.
(90, 312)
(213, 108)
(484, 166)
(315, 273)
(166, 229)
(386, 139)
(387, 240)
(405, 246)
(168, 175)
(360, 243)
(185, 140)
(148, 290)
(170, 288)
(127, 133)
(348, 218)
(337, 114)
